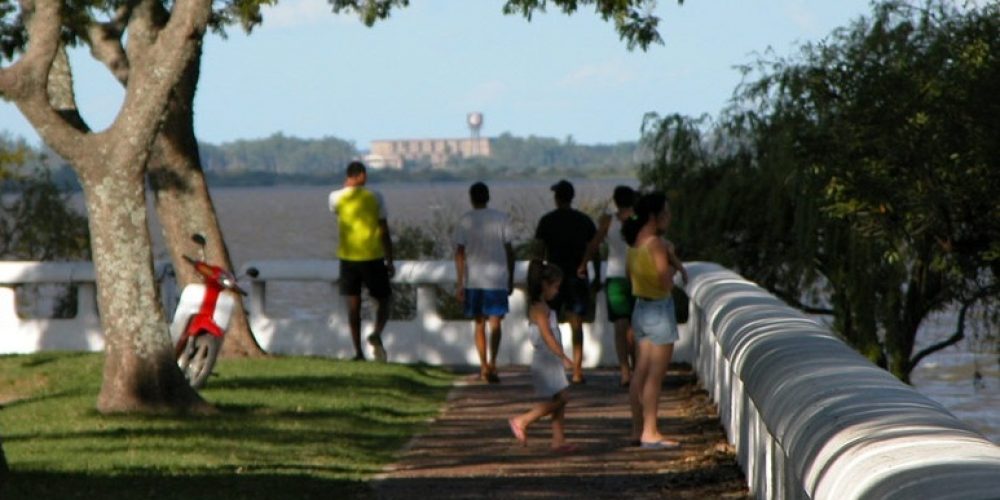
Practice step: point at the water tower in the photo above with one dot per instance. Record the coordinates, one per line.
(475, 122)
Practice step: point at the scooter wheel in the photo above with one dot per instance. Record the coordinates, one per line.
(199, 359)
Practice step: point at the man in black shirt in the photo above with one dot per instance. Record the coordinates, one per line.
(565, 233)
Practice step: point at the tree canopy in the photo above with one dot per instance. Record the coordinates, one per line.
(860, 174)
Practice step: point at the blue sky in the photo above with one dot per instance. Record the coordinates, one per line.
(308, 73)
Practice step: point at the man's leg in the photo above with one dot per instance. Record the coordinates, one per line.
(382, 305)
(480, 329)
(495, 335)
(576, 325)
(623, 349)
(354, 322)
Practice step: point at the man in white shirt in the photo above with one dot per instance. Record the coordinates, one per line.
(484, 264)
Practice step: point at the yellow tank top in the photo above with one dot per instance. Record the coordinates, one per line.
(646, 283)
(358, 211)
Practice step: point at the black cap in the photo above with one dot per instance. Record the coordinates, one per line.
(563, 190)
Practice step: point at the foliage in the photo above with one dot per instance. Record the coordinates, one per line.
(279, 155)
(861, 173)
(36, 221)
(286, 428)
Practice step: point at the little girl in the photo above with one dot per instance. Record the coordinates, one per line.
(549, 362)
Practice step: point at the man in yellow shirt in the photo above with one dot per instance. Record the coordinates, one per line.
(365, 253)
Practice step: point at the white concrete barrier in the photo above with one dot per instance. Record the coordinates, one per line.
(810, 418)
(427, 337)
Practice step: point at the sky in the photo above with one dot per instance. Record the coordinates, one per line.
(309, 73)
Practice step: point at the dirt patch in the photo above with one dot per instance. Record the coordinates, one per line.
(468, 452)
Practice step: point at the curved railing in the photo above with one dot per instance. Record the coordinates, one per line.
(811, 418)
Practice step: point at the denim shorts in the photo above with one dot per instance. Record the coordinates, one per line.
(655, 321)
(485, 302)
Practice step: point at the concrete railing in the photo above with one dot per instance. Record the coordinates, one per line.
(426, 337)
(811, 418)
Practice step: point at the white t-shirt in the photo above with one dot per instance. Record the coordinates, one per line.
(484, 232)
(617, 248)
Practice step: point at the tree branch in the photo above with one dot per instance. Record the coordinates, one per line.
(105, 41)
(959, 333)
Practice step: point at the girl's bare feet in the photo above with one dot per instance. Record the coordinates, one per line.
(517, 431)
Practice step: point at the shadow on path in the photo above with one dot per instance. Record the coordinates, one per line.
(469, 452)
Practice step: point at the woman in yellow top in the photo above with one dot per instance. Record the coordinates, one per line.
(651, 264)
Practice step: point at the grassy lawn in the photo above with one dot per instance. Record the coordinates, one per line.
(292, 427)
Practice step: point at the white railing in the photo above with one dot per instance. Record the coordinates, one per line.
(811, 418)
(426, 337)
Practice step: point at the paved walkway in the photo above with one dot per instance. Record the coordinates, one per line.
(468, 452)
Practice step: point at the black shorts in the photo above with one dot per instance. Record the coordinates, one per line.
(372, 273)
(574, 296)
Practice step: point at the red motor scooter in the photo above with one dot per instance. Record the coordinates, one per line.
(202, 317)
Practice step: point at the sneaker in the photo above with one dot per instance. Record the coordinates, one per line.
(379, 350)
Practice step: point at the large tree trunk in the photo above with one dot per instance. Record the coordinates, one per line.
(140, 372)
(184, 206)
(4, 468)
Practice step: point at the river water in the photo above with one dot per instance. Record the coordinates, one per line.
(293, 222)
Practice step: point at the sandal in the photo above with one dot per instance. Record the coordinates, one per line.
(663, 444)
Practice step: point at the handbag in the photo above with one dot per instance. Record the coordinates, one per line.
(682, 305)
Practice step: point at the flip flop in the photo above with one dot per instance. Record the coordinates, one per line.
(517, 431)
(566, 449)
(665, 444)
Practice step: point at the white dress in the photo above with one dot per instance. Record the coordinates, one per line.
(547, 372)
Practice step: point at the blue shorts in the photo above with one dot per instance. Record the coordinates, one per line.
(655, 321)
(485, 302)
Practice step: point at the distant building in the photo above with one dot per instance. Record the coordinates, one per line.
(437, 152)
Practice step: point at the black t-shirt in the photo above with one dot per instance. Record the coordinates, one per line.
(565, 232)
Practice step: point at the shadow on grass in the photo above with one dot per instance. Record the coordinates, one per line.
(249, 486)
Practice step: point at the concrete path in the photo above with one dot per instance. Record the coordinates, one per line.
(469, 452)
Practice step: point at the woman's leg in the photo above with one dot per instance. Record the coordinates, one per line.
(657, 359)
(639, 376)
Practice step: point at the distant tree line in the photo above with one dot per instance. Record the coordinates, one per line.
(280, 159)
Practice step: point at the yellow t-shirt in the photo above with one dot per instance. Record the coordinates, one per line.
(646, 281)
(359, 211)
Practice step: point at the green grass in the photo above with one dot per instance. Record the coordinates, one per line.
(292, 427)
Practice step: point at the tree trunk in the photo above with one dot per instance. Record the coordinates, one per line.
(184, 206)
(4, 469)
(140, 373)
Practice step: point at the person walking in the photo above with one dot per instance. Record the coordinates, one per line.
(548, 361)
(564, 234)
(365, 252)
(617, 289)
(484, 267)
(651, 264)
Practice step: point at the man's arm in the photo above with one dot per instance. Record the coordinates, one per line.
(460, 272)
(592, 252)
(509, 250)
(387, 246)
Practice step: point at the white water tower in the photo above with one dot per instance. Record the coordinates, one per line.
(475, 121)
